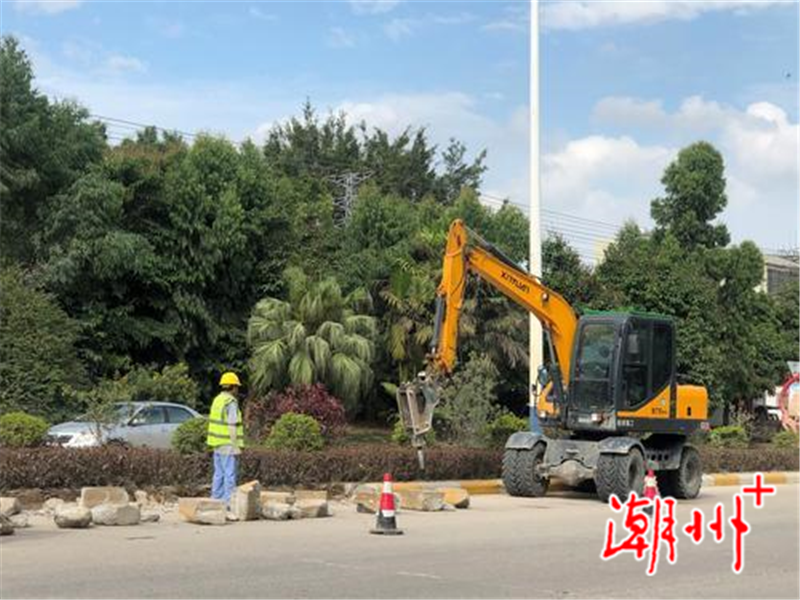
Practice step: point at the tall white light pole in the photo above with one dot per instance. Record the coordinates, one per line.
(535, 350)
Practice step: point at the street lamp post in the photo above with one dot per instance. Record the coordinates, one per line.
(535, 348)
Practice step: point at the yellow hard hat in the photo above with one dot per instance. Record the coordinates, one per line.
(229, 378)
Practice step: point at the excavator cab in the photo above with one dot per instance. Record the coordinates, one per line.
(623, 374)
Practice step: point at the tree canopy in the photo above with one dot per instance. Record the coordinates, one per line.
(156, 263)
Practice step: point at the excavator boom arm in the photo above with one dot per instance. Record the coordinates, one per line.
(466, 253)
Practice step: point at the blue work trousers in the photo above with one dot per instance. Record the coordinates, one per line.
(224, 477)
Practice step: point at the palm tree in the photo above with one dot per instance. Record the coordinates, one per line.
(318, 336)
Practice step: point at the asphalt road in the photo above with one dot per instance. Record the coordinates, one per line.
(500, 547)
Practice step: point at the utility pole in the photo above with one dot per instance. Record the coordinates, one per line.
(535, 349)
(343, 204)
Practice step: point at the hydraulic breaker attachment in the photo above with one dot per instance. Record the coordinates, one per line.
(416, 401)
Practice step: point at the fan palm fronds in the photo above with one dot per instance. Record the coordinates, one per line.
(319, 336)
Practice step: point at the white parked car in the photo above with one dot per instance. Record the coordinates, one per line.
(148, 424)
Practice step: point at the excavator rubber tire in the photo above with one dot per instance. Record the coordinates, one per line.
(620, 474)
(519, 472)
(685, 481)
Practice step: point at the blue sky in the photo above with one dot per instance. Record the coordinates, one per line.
(624, 86)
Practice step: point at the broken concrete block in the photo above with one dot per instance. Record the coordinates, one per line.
(6, 527)
(424, 500)
(203, 511)
(51, 504)
(267, 496)
(140, 497)
(19, 521)
(457, 497)
(367, 498)
(246, 501)
(251, 485)
(116, 514)
(9, 506)
(276, 511)
(312, 509)
(95, 496)
(72, 516)
(150, 518)
(311, 494)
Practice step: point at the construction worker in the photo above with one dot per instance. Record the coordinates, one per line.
(225, 436)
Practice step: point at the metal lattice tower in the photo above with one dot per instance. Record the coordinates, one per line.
(343, 203)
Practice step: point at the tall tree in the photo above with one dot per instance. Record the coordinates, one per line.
(563, 271)
(44, 147)
(457, 173)
(38, 358)
(695, 195)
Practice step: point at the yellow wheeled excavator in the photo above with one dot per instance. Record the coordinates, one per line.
(608, 384)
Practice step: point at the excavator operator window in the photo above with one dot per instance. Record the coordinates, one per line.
(662, 357)
(592, 385)
(636, 364)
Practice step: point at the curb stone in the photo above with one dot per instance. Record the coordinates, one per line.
(495, 486)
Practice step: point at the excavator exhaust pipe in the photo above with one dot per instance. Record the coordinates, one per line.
(415, 402)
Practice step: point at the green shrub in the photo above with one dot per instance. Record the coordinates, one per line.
(503, 426)
(729, 436)
(468, 401)
(293, 431)
(785, 439)
(21, 430)
(190, 436)
(401, 435)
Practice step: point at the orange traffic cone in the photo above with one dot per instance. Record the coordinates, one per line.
(650, 490)
(386, 523)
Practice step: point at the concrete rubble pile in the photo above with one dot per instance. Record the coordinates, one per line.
(411, 496)
(112, 506)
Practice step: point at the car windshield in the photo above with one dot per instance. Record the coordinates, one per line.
(124, 411)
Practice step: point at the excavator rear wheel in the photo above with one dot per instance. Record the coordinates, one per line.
(520, 472)
(620, 474)
(685, 481)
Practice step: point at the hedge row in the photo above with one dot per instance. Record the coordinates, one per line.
(744, 460)
(141, 467)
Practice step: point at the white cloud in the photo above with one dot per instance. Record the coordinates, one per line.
(603, 177)
(515, 19)
(91, 58)
(167, 28)
(631, 111)
(397, 29)
(372, 7)
(759, 144)
(259, 14)
(583, 14)
(46, 7)
(118, 64)
(339, 38)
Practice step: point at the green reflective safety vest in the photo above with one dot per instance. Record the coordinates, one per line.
(219, 433)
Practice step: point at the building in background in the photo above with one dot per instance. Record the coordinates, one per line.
(779, 270)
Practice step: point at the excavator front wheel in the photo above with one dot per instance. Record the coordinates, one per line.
(620, 474)
(521, 475)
